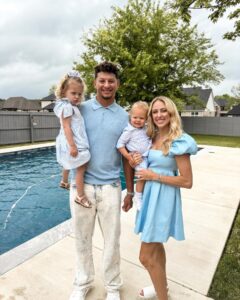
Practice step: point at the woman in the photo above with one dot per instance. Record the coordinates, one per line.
(169, 169)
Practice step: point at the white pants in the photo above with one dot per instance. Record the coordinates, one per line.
(106, 205)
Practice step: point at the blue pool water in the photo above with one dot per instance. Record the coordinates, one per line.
(30, 200)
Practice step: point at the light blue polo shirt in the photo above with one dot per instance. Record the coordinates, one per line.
(104, 126)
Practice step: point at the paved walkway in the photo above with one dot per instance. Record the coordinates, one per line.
(209, 209)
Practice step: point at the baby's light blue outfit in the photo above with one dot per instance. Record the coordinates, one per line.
(136, 139)
(63, 109)
(161, 214)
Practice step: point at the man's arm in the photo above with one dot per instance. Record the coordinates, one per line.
(129, 176)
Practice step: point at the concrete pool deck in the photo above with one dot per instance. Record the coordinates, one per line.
(209, 209)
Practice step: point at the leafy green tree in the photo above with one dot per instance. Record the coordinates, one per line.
(156, 53)
(217, 9)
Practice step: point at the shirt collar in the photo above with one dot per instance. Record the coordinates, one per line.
(130, 127)
(96, 105)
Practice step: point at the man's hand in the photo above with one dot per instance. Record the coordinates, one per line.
(127, 203)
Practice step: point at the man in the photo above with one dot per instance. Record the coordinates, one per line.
(104, 121)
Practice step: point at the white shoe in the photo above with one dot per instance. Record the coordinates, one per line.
(79, 294)
(113, 295)
(149, 292)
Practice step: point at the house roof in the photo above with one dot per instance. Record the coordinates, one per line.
(235, 111)
(49, 107)
(202, 94)
(50, 97)
(21, 103)
(221, 101)
(1, 103)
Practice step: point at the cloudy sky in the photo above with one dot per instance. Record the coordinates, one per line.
(40, 39)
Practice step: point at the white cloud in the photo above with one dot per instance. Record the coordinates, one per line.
(40, 40)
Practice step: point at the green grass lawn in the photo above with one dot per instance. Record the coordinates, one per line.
(226, 282)
(223, 141)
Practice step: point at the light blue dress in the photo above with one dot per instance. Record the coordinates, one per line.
(161, 214)
(63, 109)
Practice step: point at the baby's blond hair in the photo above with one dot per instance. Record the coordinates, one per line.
(140, 104)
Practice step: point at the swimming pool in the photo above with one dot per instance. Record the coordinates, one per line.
(30, 200)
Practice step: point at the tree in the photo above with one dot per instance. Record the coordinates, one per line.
(156, 53)
(52, 89)
(217, 9)
(230, 100)
(236, 92)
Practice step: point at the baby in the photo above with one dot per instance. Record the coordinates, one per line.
(134, 139)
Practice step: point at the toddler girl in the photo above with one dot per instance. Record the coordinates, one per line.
(134, 139)
(72, 147)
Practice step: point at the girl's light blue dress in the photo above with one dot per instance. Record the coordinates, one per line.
(161, 214)
(63, 109)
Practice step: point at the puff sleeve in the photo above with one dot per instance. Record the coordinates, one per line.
(185, 144)
(63, 108)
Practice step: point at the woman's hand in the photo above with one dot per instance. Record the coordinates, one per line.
(130, 159)
(146, 174)
(136, 159)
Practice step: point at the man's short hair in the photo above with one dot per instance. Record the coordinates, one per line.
(107, 67)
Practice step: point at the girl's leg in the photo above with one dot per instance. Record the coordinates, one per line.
(153, 258)
(140, 185)
(81, 197)
(64, 182)
(65, 174)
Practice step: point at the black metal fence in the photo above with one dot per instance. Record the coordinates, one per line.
(30, 127)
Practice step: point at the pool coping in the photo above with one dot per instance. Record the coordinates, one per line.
(25, 251)
(9, 150)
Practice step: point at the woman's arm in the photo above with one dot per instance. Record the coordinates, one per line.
(184, 179)
(69, 136)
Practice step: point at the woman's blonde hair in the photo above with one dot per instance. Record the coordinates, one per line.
(66, 81)
(140, 104)
(175, 126)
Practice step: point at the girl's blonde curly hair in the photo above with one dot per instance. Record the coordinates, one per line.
(175, 126)
(64, 84)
